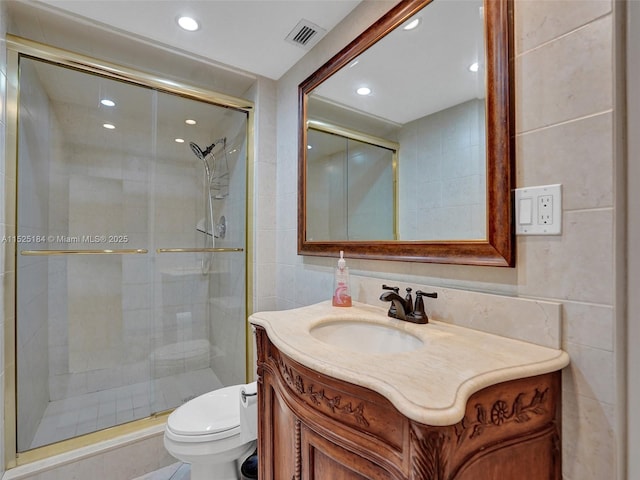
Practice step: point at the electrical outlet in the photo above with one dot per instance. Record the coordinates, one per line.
(539, 210)
(545, 209)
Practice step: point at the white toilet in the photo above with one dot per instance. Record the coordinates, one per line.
(206, 433)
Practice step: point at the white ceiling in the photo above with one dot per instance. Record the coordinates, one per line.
(419, 72)
(245, 34)
(429, 74)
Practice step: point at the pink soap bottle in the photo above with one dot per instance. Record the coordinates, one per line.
(341, 290)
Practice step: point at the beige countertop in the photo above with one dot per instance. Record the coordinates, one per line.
(430, 384)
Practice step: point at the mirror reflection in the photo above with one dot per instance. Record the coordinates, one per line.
(423, 87)
(351, 193)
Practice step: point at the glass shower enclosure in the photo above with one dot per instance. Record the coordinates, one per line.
(130, 251)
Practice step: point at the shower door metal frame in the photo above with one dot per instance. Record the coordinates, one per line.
(19, 47)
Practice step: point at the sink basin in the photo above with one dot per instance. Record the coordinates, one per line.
(365, 337)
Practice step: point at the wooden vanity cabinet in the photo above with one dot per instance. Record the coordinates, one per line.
(314, 427)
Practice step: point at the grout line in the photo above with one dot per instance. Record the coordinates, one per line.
(584, 210)
(564, 35)
(564, 122)
(565, 300)
(182, 473)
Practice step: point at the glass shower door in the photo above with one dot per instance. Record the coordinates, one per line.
(111, 325)
(199, 237)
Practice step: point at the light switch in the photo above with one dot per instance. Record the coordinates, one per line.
(526, 211)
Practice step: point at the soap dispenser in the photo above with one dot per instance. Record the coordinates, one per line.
(341, 290)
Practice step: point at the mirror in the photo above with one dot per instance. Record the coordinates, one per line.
(443, 194)
(352, 195)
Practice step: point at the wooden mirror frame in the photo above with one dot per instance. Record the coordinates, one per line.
(499, 247)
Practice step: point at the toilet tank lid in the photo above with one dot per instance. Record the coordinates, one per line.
(212, 412)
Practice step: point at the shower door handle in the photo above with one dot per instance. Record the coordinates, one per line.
(125, 251)
(198, 250)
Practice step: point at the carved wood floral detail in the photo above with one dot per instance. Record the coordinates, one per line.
(318, 397)
(501, 414)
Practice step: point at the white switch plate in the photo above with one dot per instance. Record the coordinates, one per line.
(539, 210)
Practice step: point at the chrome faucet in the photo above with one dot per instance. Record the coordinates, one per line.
(403, 308)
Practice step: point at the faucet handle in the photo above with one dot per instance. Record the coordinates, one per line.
(418, 315)
(424, 294)
(393, 311)
(393, 289)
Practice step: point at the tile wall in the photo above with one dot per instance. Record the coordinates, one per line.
(445, 168)
(565, 123)
(262, 273)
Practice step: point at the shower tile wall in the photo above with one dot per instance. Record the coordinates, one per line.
(127, 331)
(180, 310)
(95, 292)
(92, 297)
(449, 200)
(227, 290)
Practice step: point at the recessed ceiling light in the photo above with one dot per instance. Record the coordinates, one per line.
(189, 24)
(179, 140)
(309, 147)
(108, 126)
(354, 64)
(474, 67)
(108, 103)
(363, 91)
(412, 24)
(190, 122)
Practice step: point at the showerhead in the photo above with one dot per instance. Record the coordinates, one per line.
(201, 154)
(196, 150)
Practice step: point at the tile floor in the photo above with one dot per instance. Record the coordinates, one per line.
(90, 412)
(176, 471)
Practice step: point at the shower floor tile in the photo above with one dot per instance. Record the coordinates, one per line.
(82, 414)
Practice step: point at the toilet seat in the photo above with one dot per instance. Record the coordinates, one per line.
(209, 417)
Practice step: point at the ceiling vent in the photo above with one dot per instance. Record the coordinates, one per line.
(305, 34)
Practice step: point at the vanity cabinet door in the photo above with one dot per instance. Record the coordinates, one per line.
(291, 449)
(323, 459)
(276, 434)
(536, 460)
